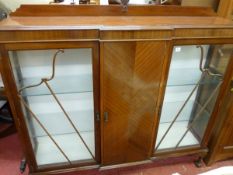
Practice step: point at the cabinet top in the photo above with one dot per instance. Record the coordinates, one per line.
(48, 17)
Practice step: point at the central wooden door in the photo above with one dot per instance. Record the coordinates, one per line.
(131, 74)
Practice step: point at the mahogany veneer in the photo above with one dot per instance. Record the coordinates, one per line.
(132, 55)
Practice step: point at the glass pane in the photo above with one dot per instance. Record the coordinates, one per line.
(191, 94)
(73, 87)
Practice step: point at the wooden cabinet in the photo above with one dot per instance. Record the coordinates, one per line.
(91, 90)
(131, 75)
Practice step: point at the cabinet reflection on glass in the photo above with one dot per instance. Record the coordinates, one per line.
(56, 92)
(194, 80)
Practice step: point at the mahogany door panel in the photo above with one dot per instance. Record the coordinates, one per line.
(131, 73)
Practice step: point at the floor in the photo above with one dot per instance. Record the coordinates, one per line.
(11, 154)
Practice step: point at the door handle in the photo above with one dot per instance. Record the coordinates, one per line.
(105, 117)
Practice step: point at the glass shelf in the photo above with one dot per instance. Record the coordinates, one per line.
(78, 106)
(76, 84)
(185, 77)
(174, 107)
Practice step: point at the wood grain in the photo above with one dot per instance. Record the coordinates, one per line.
(181, 152)
(135, 49)
(11, 92)
(113, 23)
(45, 35)
(131, 77)
(110, 10)
(225, 8)
(204, 33)
(136, 34)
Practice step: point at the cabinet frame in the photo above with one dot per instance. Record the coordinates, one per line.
(83, 26)
(11, 90)
(203, 148)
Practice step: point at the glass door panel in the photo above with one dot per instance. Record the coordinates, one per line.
(56, 91)
(195, 76)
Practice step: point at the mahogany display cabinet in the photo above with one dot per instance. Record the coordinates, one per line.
(108, 86)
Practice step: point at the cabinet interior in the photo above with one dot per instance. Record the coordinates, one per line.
(73, 87)
(190, 95)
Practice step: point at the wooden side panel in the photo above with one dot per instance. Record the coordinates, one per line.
(131, 74)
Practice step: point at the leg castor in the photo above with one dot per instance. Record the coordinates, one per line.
(198, 162)
(22, 166)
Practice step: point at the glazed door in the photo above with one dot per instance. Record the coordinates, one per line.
(57, 90)
(195, 78)
(131, 73)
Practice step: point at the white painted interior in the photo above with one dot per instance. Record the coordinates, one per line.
(184, 74)
(73, 86)
(73, 147)
(79, 107)
(73, 70)
(175, 135)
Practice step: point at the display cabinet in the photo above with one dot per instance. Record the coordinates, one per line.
(116, 88)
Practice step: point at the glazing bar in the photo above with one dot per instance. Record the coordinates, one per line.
(69, 119)
(197, 116)
(46, 80)
(203, 70)
(46, 131)
(177, 115)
